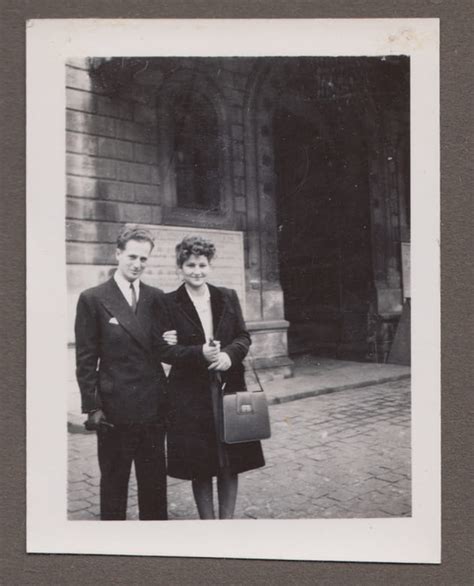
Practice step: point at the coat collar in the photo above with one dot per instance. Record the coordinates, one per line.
(218, 307)
(117, 306)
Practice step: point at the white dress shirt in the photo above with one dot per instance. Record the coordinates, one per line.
(124, 286)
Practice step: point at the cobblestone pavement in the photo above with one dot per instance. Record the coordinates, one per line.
(339, 455)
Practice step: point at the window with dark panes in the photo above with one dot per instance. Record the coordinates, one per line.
(196, 153)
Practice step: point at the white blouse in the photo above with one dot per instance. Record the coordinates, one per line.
(202, 305)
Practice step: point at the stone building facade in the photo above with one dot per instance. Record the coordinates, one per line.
(307, 157)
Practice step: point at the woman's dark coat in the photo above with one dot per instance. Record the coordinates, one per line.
(191, 439)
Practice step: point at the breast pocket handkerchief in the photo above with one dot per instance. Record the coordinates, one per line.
(113, 320)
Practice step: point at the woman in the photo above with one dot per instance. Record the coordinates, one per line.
(209, 319)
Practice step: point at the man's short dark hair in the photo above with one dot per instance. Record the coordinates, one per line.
(134, 233)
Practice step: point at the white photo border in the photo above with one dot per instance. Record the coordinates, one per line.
(50, 42)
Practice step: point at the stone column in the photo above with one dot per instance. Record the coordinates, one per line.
(265, 296)
(385, 166)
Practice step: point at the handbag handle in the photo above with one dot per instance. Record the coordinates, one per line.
(257, 378)
(244, 403)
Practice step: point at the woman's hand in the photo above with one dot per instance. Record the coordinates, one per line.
(222, 362)
(170, 337)
(211, 350)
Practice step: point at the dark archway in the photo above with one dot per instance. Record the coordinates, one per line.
(323, 230)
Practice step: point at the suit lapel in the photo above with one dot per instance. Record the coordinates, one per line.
(144, 311)
(219, 308)
(117, 306)
(187, 308)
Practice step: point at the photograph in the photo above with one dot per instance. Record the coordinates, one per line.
(232, 298)
(295, 174)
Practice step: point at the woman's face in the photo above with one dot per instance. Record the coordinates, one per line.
(195, 271)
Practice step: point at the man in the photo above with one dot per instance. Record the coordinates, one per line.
(122, 384)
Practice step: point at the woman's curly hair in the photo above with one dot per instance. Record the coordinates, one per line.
(194, 245)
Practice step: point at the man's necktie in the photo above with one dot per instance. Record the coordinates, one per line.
(134, 298)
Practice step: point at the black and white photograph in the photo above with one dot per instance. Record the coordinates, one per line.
(233, 231)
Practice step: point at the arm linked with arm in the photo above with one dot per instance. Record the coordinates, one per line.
(177, 354)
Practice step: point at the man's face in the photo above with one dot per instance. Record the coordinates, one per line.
(133, 258)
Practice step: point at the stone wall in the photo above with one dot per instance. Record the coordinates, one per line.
(111, 174)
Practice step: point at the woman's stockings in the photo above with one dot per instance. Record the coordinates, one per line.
(227, 484)
(202, 490)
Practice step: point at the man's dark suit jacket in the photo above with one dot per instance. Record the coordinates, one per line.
(115, 366)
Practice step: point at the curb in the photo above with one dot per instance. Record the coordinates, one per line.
(74, 427)
(278, 400)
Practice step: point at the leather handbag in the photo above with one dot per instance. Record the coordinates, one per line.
(245, 417)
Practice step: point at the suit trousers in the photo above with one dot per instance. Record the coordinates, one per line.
(118, 447)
